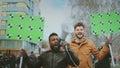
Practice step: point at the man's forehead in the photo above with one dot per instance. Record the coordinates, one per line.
(54, 36)
(79, 27)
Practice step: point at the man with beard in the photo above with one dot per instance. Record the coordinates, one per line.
(84, 47)
(57, 56)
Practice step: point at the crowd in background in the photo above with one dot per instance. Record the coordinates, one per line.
(12, 60)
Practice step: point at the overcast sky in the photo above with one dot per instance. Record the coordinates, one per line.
(56, 12)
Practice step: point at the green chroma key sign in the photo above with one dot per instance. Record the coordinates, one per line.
(105, 22)
(25, 27)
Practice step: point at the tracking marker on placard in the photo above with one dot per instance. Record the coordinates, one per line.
(25, 27)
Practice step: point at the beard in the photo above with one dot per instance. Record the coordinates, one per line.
(79, 36)
(55, 49)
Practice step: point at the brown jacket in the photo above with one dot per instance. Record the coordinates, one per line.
(84, 51)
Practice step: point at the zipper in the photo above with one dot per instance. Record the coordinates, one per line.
(52, 64)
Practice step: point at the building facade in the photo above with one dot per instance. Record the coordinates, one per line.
(24, 7)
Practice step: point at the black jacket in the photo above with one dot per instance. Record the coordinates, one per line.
(26, 62)
(51, 59)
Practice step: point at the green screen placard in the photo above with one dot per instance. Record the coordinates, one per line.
(25, 27)
(105, 22)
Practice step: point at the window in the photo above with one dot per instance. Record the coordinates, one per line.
(2, 32)
(5, 5)
(4, 14)
(12, 5)
(3, 23)
(10, 44)
(23, 13)
(21, 5)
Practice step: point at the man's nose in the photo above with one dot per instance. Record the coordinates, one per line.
(56, 41)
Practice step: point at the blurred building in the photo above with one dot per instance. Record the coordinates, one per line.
(25, 7)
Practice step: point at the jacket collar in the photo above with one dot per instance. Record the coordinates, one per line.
(84, 41)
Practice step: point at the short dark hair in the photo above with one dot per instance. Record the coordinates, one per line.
(52, 34)
(79, 24)
(32, 52)
(23, 52)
